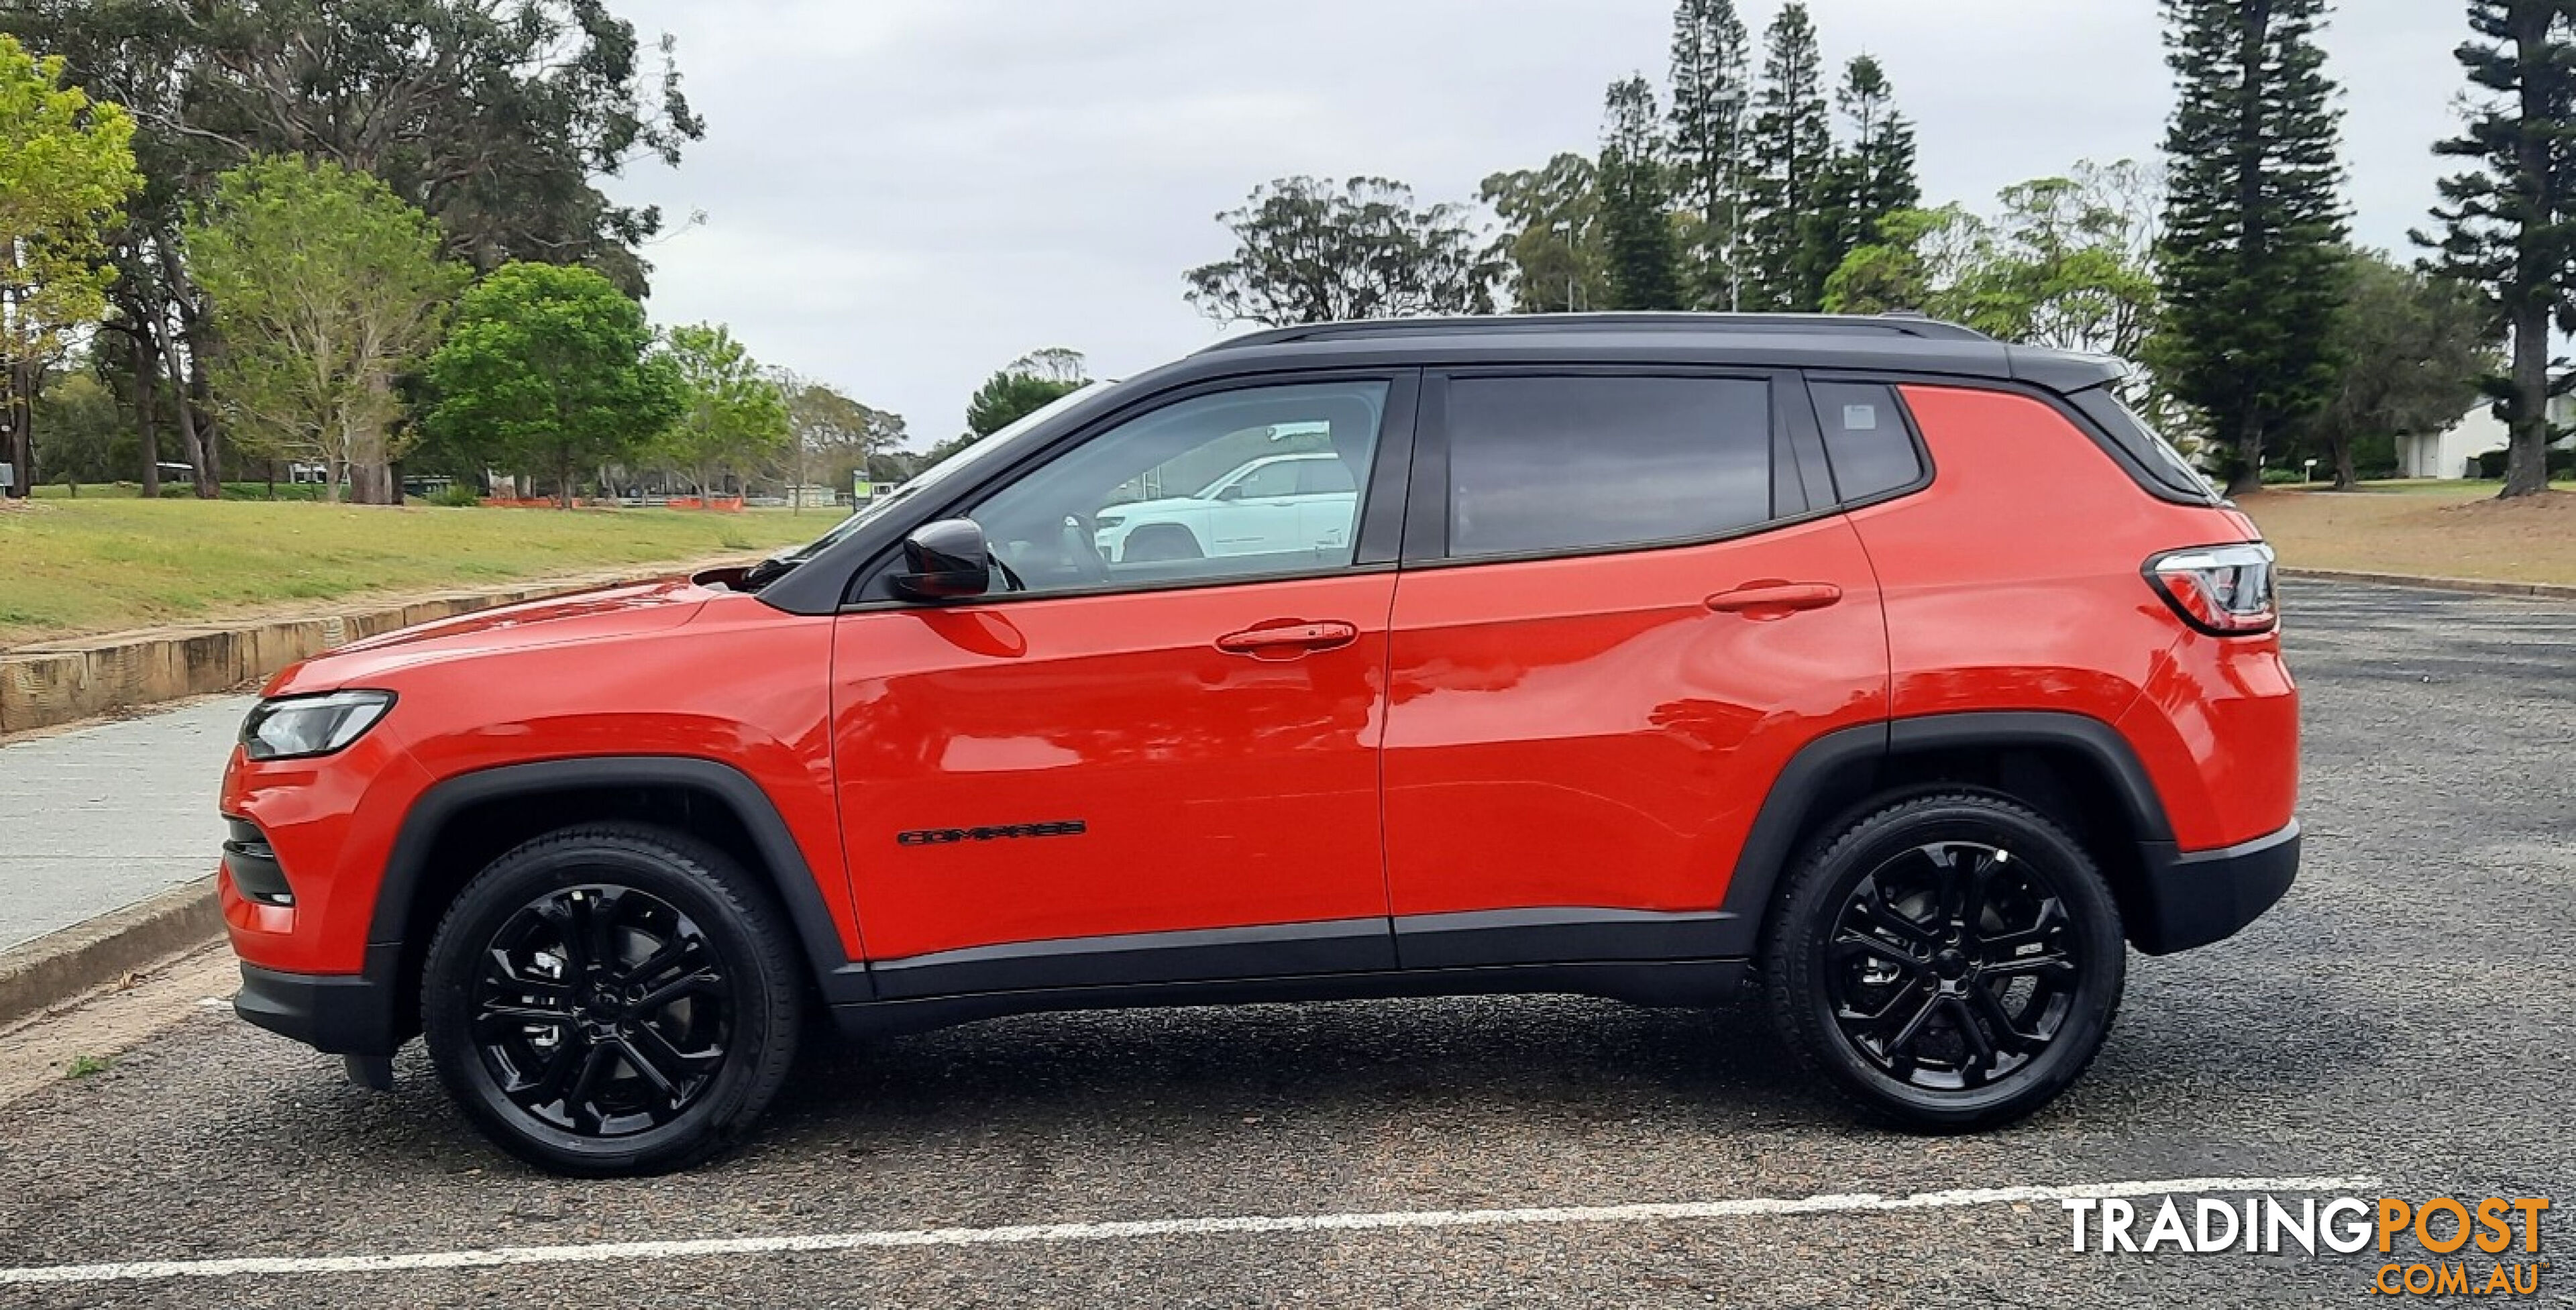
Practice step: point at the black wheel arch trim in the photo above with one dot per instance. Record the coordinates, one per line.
(1806, 791)
(840, 979)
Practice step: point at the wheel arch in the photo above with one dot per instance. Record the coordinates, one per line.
(464, 822)
(2073, 768)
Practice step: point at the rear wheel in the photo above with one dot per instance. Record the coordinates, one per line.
(1952, 961)
(611, 1000)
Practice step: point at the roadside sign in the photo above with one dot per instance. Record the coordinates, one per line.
(8, 475)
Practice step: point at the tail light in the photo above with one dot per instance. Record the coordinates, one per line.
(2225, 591)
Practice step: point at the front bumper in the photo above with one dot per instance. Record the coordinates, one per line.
(2189, 899)
(338, 1014)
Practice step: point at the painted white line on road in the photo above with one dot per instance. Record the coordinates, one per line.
(1131, 1229)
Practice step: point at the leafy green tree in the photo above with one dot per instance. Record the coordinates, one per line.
(836, 439)
(2508, 225)
(2413, 352)
(500, 119)
(66, 164)
(1636, 204)
(2253, 220)
(1553, 239)
(325, 286)
(1790, 160)
(550, 369)
(1711, 97)
(81, 432)
(1309, 251)
(1872, 176)
(2065, 262)
(1024, 386)
(732, 416)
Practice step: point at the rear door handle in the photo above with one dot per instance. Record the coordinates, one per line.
(1288, 640)
(1770, 600)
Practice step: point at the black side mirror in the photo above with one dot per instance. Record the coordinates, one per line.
(946, 560)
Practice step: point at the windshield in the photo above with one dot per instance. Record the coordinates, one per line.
(972, 455)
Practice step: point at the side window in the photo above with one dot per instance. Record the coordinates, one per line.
(1324, 477)
(1577, 463)
(1172, 495)
(1866, 438)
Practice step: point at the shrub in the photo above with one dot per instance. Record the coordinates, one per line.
(456, 495)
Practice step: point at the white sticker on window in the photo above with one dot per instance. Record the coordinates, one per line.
(1860, 418)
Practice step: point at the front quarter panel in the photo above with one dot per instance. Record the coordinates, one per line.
(739, 683)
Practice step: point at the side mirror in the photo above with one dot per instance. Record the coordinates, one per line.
(946, 560)
(1234, 492)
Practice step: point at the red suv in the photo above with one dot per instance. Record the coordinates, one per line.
(1866, 665)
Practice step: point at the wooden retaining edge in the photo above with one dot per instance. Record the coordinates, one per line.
(2481, 586)
(60, 965)
(56, 682)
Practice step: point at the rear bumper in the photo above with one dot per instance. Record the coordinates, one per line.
(338, 1014)
(2189, 899)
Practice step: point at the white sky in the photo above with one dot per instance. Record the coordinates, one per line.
(904, 195)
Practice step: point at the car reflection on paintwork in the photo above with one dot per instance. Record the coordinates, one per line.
(1300, 501)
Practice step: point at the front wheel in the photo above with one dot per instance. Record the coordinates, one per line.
(1951, 961)
(611, 1000)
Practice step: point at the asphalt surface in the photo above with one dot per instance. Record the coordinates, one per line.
(2403, 1015)
(97, 818)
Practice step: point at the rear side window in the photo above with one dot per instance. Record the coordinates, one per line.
(1586, 463)
(1866, 438)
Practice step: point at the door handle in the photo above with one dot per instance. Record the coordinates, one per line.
(1288, 640)
(1772, 600)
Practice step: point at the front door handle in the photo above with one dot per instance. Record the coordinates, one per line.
(1281, 641)
(1770, 599)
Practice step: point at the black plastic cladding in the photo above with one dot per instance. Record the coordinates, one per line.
(1884, 346)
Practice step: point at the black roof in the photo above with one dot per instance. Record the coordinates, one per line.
(1909, 343)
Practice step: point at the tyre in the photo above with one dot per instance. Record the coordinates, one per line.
(1161, 543)
(1952, 962)
(612, 1000)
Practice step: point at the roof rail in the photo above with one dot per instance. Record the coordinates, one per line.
(1894, 323)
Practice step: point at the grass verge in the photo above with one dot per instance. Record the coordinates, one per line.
(2429, 529)
(96, 564)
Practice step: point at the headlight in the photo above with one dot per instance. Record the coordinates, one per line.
(1105, 522)
(294, 727)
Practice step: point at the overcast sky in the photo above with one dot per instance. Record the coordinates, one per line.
(903, 195)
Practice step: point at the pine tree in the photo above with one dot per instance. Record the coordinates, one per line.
(1873, 176)
(1710, 100)
(2509, 226)
(2251, 267)
(1790, 153)
(1636, 205)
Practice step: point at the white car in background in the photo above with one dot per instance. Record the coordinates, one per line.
(1277, 503)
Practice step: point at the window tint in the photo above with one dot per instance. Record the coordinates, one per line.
(1319, 476)
(1177, 494)
(1866, 439)
(1578, 463)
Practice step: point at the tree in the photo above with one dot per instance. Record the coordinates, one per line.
(836, 439)
(2413, 351)
(1873, 176)
(1710, 99)
(550, 369)
(2509, 224)
(1790, 157)
(1308, 251)
(324, 287)
(1554, 239)
(498, 119)
(731, 412)
(2253, 221)
(1636, 206)
(1024, 386)
(66, 164)
(79, 430)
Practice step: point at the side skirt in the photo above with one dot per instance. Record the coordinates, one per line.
(1656, 982)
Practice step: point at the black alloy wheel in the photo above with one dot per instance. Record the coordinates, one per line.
(613, 999)
(1951, 965)
(602, 1010)
(1951, 961)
